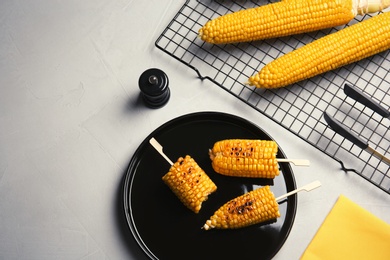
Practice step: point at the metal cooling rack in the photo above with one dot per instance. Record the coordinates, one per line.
(299, 107)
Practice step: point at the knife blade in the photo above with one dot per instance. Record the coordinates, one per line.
(358, 95)
(342, 130)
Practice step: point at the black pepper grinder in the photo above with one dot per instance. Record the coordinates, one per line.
(153, 84)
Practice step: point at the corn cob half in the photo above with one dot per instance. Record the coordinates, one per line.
(189, 183)
(286, 17)
(251, 208)
(346, 46)
(245, 158)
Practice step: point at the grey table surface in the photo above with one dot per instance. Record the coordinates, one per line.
(71, 119)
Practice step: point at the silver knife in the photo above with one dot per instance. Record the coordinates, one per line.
(358, 95)
(339, 128)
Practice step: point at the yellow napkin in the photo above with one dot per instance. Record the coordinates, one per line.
(350, 232)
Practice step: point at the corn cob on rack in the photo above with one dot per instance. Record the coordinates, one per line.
(251, 208)
(346, 46)
(286, 17)
(245, 158)
(189, 183)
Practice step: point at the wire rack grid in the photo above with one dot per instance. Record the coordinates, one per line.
(299, 107)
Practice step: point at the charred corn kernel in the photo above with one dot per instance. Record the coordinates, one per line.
(346, 46)
(283, 18)
(251, 208)
(189, 183)
(245, 158)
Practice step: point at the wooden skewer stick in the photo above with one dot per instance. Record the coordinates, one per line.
(159, 148)
(308, 187)
(296, 162)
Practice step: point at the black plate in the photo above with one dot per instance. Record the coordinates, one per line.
(165, 229)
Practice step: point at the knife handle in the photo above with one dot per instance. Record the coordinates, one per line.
(339, 128)
(359, 96)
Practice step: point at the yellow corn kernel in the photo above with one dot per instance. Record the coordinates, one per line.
(284, 18)
(245, 158)
(346, 46)
(251, 208)
(189, 183)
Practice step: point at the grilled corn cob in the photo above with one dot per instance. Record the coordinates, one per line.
(189, 183)
(346, 46)
(286, 17)
(251, 208)
(245, 158)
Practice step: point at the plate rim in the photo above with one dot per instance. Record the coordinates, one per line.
(129, 175)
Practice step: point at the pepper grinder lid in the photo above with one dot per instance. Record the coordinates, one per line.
(153, 84)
